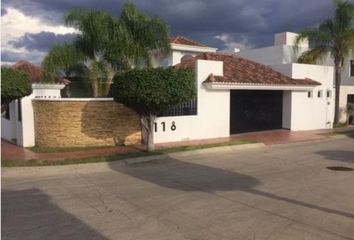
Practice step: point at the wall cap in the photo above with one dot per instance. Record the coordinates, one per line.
(47, 86)
(74, 99)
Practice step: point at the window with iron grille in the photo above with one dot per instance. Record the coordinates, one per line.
(184, 109)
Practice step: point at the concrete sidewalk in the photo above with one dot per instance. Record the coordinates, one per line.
(11, 151)
(277, 192)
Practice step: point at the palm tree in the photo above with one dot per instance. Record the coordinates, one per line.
(148, 36)
(89, 50)
(106, 44)
(335, 37)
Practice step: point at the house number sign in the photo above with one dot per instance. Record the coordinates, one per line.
(163, 126)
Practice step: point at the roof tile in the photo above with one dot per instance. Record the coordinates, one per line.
(185, 41)
(242, 71)
(36, 73)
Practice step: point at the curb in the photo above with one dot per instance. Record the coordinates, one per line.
(232, 148)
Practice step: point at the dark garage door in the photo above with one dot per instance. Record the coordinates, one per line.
(252, 110)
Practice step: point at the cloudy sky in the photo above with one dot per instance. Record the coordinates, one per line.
(31, 27)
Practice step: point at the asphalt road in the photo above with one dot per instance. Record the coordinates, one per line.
(277, 192)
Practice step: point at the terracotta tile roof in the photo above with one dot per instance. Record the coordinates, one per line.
(242, 71)
(185, 41)
(35, 72)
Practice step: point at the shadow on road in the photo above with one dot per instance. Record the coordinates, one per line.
(30, 214)
(342, 156)
(187, 176)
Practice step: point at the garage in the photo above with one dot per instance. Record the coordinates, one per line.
(255, 110)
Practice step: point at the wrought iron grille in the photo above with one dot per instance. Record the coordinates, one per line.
(184, 109)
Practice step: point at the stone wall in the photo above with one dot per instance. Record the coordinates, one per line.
(69, 123)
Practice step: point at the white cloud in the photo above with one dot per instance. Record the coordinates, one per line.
(230, 43)
(15, 24)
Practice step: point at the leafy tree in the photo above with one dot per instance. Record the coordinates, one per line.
(106, 44)
(14, 85)
(334, 36)
(151, 90)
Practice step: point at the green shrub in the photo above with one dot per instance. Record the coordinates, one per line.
(151, 90)
(14, 85)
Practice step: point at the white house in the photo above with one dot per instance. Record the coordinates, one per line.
(236, 95)
(182, 47)
(283, 52)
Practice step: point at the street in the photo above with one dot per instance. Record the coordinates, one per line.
(275, 192)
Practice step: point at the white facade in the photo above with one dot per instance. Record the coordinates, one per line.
(302, 111)
(19, 128)
(212, 119)
(345, 90)
(179, 51)
(284, 52)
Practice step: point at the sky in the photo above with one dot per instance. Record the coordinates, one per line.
(29, 28)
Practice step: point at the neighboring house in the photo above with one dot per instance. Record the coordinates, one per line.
(236, 95)
(182, 47)
(283, 52)
(17, 123)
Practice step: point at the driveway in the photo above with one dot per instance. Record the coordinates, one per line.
(275, 192)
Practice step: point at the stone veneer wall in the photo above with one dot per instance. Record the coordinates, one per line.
(69, 123)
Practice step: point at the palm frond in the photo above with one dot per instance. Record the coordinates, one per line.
(61, 56)
(314, 55)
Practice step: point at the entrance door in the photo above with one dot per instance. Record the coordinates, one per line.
(255, 110)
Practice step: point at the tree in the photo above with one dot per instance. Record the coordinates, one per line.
(151, 90)
(106, 44)
(334, 36)
(147, 36)
(89, 50)
(14, 85)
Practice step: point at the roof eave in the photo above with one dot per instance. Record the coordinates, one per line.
(192, 48)
(250, 86)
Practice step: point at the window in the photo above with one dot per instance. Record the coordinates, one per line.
(309, 94)
(19, 110)
(185, 109)
(351, 68)
(350, 98)
(6, 113)
(329, 93)
(319, 94)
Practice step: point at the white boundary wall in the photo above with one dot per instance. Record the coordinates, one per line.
(23, 131)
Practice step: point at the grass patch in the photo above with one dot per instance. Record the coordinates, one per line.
(63, 149)
(67, 161)
(349, 133)
(339, 125)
